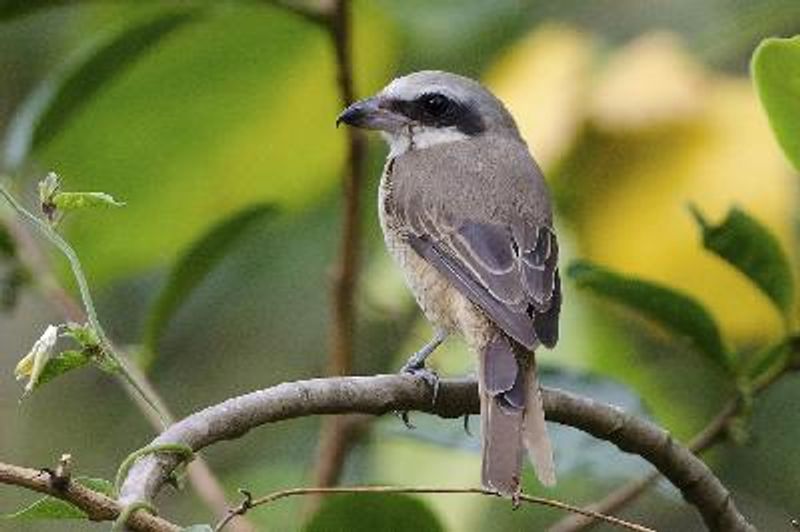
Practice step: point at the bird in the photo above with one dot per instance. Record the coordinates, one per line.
(467, 215)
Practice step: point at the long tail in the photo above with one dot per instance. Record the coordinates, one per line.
(512, 418)
(534, 434)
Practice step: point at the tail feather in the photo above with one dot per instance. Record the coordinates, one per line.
(534, 433)
(512, 418)
(502, 448)
(501, 432)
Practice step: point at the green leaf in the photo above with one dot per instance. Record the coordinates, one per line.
(83, 334)
(773, 358)
(776, 73)
(48, 508)
(15, 8)
(673, 310)
(768, 360)
(752, 249)
(70, 201)
(50, 107)
(198, 261)
(52, 508)
(100, 485)
(373, 511)
(62, 363)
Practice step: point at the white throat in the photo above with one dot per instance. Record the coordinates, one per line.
(420, 137)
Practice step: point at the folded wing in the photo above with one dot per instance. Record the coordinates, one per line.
(508, 270)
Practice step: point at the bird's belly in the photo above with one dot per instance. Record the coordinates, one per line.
(435, 295)
(442, 303)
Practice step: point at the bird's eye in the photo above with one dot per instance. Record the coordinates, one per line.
(435, 104)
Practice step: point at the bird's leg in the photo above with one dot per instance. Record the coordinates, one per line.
(415, 365)
(416, 362)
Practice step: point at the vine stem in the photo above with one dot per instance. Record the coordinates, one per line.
(121, 366)
(250, 503)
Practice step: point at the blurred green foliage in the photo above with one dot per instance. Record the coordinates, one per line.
(372, 511)
(198, 114)
(753, 250)
(776, 72)
(191, 269)
(675, 311)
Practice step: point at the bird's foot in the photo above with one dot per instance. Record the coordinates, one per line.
(416, 366)
(430, 377)
(403, 415)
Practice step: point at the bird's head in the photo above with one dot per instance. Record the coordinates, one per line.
(428, 108)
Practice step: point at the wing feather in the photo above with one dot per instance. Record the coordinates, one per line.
(514, 285)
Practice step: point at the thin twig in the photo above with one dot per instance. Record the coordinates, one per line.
(334, 442)
(382, 394)
(552, 503)
(98, 507)
(199, 473)
(345, 272)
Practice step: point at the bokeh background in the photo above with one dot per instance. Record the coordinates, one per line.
(632, 108)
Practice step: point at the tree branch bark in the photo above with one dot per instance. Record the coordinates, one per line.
(96, 505)
(628, 492)
(712, 434)
(386, 393)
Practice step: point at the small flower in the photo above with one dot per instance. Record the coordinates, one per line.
(48, 188)
(33, 364)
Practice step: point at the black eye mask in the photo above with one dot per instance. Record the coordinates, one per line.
(437, 110)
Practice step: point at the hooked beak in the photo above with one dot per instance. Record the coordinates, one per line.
(372, 113)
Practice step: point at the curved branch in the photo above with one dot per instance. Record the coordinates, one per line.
(97, 506)
(386, 393)
(712, 434)
(628, 492)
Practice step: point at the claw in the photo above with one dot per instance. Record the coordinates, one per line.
(429, 376)
(466, 425)
(515, 500)
(404, 418)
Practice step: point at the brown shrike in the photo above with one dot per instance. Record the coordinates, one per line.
(466, 214)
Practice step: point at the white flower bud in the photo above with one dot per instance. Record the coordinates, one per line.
(33, 364)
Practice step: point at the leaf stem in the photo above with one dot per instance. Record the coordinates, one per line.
(121, 368)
